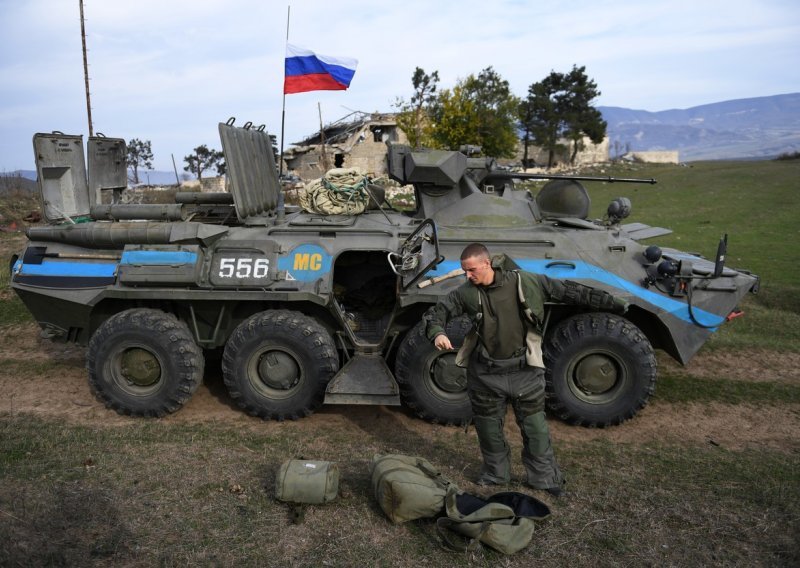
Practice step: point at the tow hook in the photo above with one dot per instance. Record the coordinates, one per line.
(734, 314)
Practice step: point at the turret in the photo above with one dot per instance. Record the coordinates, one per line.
(453, 188)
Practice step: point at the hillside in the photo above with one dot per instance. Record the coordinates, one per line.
(17, 181)
(753, 128)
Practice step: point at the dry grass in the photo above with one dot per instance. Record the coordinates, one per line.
(195, 489)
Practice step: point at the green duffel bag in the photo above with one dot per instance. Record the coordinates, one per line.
(408, 487)
(504, 521)
(306, 481)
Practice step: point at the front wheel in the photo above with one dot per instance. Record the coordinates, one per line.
(144, 362)
(601, 369)
(277, 364)
(430, 382)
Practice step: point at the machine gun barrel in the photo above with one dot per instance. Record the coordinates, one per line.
(609, 179)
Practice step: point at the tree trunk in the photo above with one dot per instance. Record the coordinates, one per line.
(525, 152)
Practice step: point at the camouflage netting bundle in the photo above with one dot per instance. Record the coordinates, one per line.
(341, 191)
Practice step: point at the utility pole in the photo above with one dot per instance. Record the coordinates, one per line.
(86, 72)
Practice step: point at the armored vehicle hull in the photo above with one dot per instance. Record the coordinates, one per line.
(309, 309)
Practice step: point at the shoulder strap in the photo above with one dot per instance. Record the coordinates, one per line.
(523, 304)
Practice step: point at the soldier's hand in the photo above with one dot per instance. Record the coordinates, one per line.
(621, 306)
(441, 342)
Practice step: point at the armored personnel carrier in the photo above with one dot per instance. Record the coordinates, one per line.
(309, 309)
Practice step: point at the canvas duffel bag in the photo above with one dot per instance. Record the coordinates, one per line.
(504, 521)
(306, 481)
(408, 487)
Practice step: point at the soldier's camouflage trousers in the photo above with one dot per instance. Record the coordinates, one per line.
(493, 384)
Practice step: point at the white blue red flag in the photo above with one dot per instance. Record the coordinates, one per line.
(309, 71)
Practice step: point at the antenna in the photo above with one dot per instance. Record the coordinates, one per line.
(86, 72)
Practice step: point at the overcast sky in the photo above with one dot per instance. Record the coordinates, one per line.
(169, 71)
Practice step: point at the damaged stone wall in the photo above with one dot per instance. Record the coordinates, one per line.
(591, 154)
(368, 150)
(654, 157)
(365, 148)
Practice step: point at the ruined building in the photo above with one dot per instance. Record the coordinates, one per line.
(355, 141)
(359, 140)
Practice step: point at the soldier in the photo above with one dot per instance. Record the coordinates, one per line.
(503, 357)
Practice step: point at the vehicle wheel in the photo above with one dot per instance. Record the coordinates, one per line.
(276, 364)
(144, 362)
(601, 369)
(430, 382)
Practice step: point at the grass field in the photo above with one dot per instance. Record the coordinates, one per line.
(707, 474)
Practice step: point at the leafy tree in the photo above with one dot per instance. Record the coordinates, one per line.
(581, 118)
(455, 119)
(558, 107)
(140, 155)
(496, 107)
(413, 117)
(204, 159)
(478, 110)
(540, 115)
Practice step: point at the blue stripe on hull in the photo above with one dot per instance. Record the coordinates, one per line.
(586, 271)
(159, 257)
(78, 269)
(59, 268)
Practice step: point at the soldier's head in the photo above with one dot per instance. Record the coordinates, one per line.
(477, 265)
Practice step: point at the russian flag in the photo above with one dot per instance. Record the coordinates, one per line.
(308, 71)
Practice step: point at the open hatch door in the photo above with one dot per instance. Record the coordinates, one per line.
(418, 254)
(61, 172)
(107, 167)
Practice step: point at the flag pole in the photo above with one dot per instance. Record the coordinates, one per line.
(283, 108)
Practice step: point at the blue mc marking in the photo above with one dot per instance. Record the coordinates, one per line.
(306, 263)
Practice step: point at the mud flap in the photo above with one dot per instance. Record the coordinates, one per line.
(365, 379)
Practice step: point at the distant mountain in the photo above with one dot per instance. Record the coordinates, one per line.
(762, 127)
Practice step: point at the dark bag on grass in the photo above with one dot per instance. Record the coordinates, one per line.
(306, 481)
(407, 487)
(503, 521)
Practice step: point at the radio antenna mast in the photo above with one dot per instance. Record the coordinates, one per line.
(86, 72)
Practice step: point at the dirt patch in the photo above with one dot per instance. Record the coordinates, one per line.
(733, 427)
(63, 392)
(752, 365)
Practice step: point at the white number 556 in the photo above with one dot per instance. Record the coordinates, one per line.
(243, 267)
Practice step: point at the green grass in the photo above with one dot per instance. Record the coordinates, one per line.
(12, 310)
(682, 387)
(755, 203)
(761, 327)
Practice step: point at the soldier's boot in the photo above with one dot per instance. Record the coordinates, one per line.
(496, 468)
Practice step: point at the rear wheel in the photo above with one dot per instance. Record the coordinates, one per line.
(431, 384)
(144, 362)
(276, 364)
(601, 369)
